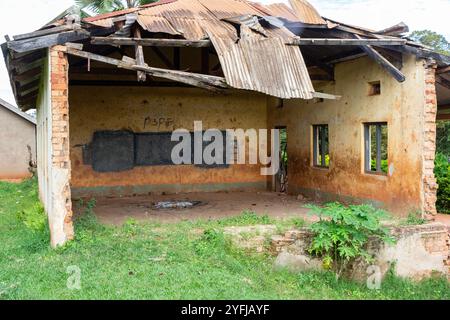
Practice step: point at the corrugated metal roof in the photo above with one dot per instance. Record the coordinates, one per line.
(157, 24)
(260, 60)
(305, 12)
(263, 64)
(282, 11)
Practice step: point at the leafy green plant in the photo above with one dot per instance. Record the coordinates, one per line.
(341, 234)
(442, 173)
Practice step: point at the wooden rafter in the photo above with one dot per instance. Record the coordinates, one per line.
(443, 70)
(442, 81)
(23, 46)
(146, 42)
(194, 79)
(382, 61)
(346, 42)
(140, 60)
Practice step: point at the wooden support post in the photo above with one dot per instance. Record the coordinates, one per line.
(140, 60)
(382, 61)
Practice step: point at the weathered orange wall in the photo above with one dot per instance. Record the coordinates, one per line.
(401, 105)
(117, 108)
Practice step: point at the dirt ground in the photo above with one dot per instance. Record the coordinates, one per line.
(214, 206)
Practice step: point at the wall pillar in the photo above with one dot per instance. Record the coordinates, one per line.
(60, 215)
(429, 184)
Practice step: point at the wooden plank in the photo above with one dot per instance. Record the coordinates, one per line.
(146, 42)
(198, 80)
(443, 70)
(140, 60)
(382, 61)
(22, 68)
(47, 41)
(346, 42)
(443, 82)
(26, 75)
(30, 85)
(45, 32)
(328, 96)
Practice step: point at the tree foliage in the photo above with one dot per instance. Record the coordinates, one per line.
(432, 39)
(105, 6)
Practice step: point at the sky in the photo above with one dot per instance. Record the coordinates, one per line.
(373, 14)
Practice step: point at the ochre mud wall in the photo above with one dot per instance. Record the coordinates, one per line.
(160, 110)
(401, 105)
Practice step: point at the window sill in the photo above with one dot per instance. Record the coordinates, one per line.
(376, 174)
(321, 168)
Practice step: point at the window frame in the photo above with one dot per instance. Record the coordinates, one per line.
(316, 144)
(367, 145)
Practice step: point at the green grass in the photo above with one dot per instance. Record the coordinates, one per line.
(189, 260)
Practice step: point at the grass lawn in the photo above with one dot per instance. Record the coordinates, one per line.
(155, 261)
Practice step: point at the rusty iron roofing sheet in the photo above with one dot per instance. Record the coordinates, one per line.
(106, 23)
(282, 11)
(305, 12)
(263, 64)
(190, 28)
(180, 9)
(229, 8)
(156, 24)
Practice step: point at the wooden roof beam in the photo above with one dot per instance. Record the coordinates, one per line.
(383, 62)
(347, 42)
(146, 42)
(194, 79)
(443, 82)
(47, 41)
(443, 70)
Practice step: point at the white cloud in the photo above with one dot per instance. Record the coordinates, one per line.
(28, 15)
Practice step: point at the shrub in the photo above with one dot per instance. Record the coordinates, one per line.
(342, 233)
(442, 172)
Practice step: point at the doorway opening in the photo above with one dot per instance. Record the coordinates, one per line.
(281, 178)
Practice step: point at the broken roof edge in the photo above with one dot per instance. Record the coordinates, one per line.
(17, 111)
